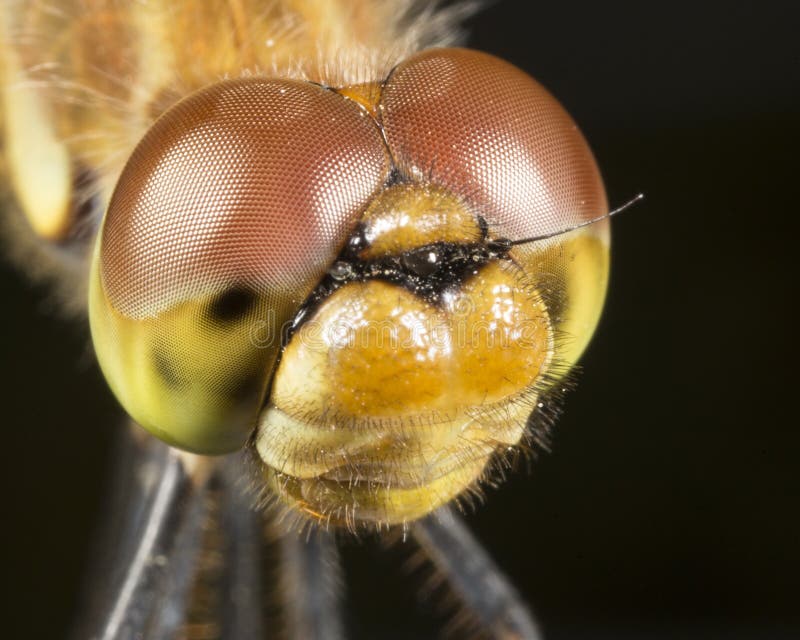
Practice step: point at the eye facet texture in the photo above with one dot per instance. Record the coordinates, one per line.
(255, 182)
(489, 132)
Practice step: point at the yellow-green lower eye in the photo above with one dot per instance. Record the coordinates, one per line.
(195, 374)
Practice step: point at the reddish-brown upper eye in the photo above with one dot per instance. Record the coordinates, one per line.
(251, 182)
(490, 133)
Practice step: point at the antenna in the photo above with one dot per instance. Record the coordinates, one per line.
(613, 212)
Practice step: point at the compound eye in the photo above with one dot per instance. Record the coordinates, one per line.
(227, 214)
(491, 134)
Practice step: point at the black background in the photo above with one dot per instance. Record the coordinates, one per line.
(668, 506)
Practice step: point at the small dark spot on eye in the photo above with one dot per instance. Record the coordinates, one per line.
(231, 304)
(245, 388)
(166, 371)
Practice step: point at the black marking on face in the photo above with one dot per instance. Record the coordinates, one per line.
(484, 227)
(427, 271)
(422, 262)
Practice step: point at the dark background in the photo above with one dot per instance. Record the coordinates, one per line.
(668, 507)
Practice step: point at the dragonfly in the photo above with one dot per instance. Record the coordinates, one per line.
(340, 268)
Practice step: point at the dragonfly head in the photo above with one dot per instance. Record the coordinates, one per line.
(329, 276)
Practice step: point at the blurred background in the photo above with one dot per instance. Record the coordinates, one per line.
(668, 507)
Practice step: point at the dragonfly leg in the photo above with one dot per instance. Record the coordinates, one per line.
(148, 600)
(242, 615)
(311, 584)
(474, 577)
